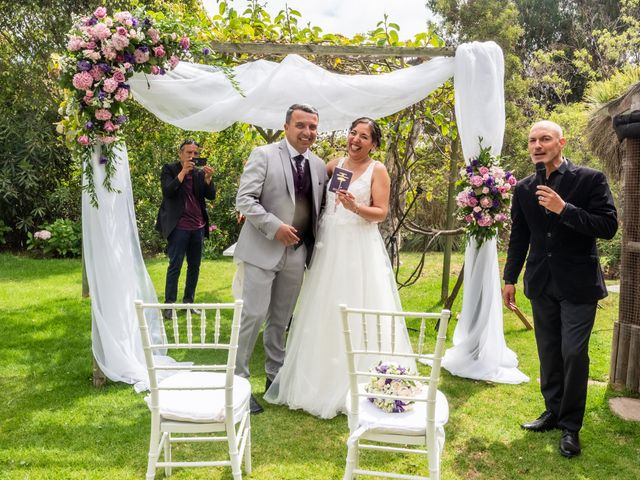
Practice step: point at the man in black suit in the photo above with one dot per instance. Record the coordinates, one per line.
(183, 219)
(557, 216)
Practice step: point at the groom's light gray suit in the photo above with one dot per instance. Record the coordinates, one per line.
(273, 273)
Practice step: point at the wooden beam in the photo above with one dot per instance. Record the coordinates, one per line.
(337, 50)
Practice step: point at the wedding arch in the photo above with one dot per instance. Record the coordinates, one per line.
(199, 97)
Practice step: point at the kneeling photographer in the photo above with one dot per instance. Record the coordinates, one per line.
(183, 219)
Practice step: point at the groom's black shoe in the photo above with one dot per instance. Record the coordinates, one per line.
(267, 384)
(569, 444)
(254, 407)
(546, 421)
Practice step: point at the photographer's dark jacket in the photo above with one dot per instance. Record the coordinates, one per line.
(562, 246)
(173, 198)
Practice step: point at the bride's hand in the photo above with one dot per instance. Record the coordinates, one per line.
(347, 199)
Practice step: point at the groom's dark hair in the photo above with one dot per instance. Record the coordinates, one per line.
(305, 107)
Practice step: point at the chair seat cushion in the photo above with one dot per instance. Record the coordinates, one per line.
(201, 406)
(412, 421)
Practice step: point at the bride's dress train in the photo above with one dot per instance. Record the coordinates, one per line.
(350, 265)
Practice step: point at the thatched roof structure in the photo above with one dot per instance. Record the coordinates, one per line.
(601, 136)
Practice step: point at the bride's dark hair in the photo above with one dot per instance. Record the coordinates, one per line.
(376, 132)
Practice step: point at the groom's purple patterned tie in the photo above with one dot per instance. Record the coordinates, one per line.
(299, 170)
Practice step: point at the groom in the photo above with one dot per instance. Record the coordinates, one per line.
(280, 194)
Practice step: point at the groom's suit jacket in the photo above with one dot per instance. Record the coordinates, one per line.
(562, 246)
(266, 197)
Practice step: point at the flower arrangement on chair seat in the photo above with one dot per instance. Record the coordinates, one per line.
(392, 386)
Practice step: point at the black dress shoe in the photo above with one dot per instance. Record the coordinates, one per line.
(569, 444)
(546, 421)
(254, 407)
(267, 384)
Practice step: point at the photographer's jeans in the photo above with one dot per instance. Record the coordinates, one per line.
(183, 243)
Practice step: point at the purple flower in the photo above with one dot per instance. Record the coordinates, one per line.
(496, 203)
(103, 159)
(102, 95)
(206, 51)
(104, 67)
(494, 190)
(134, 22)
(143, 48)
(387, 381)
(91, 21)
(469, 170)
(477, 215)
(121, 119)
(84, 65)
(474, 162)
(489, 182)
(147, 22)
(129, 58)
(162, 71)
(88, 125)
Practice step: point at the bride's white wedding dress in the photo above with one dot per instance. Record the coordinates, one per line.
(350, 265)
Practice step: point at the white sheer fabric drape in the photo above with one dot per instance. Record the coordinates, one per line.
(196, 97)
(116, 275)
(479, 350)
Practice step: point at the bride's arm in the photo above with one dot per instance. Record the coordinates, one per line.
(380, 188)
(331, 166)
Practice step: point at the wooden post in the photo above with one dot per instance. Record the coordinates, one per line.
(448, 240)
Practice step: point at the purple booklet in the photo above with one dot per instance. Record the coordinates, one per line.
(340, 179)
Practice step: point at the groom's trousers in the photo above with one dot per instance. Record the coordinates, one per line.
(269, 296)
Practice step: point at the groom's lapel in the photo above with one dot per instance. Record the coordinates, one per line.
(286, 167)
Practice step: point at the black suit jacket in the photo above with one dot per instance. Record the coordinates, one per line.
(173, 195)
(562, 246)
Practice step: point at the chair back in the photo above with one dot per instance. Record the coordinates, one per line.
(364, 348)
(212, 334)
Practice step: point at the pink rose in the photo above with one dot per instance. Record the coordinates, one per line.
(462, 199)
(477, 209)
(110, 85)
(101, 31)
(91, 46)
(103, 114)
(485, 221)
(96, 73)
(74, 44)
(141, 56)
(173, 62)
(472, 201)
(500, 217)
(107, 140)
(121, 94)
(82, 80)
(119, 42)
(84, 140)
(118, 76)
(468, 218)
(483, 170)
(154, 35)
(100, 12)
(122, 17)
(155, 70)
(109, 52)
(109, 126)
(92, 55)
(121, 31)
(512, 180)
(485, 190)
(88, 97)
(184, 43)
(486, 202)
(476, 180)
(126, 65)
(159, 51)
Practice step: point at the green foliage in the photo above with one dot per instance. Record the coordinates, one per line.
(4, 229)
(611, 254)
(65, 239)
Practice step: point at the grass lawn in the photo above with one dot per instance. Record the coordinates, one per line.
(55, 425)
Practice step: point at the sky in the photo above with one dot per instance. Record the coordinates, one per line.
(349, 17)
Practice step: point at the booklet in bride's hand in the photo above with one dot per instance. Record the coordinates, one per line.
(340, 179)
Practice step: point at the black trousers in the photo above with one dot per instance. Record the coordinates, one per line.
(562, 330)
(183, 243)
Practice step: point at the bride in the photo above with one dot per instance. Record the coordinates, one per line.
(350, 265)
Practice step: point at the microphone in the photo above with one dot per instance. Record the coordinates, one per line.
(541, 173)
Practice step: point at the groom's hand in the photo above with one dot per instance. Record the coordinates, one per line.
(287, 235)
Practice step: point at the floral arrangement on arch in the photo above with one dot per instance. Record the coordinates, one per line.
(103, 52)
(392, 386)
(484, 196)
